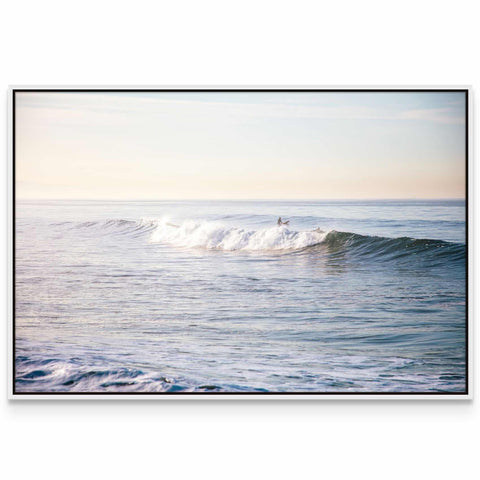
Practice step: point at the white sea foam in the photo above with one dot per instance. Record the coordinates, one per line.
(214, 235)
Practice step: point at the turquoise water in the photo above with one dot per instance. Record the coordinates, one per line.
(202, 296)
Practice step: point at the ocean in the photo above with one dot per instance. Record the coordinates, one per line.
(214, 296)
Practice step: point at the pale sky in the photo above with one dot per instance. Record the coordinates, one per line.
(298, 145)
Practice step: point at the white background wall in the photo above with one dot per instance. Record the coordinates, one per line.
(249, 42)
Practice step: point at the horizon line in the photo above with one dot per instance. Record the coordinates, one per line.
(239, 199)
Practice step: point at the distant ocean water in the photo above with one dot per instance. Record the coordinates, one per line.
(213, 296)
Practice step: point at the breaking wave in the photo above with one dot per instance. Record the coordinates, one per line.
(218, 236)
(212, 235)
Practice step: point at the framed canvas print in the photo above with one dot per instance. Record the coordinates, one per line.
(239, 242)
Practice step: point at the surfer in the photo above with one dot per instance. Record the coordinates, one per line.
(280, 222)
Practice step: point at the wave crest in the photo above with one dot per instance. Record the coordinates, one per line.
(212, 235)
(218, 236)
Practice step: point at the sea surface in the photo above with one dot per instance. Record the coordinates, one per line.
(214, 296)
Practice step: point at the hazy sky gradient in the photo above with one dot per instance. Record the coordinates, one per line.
(240, 145)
